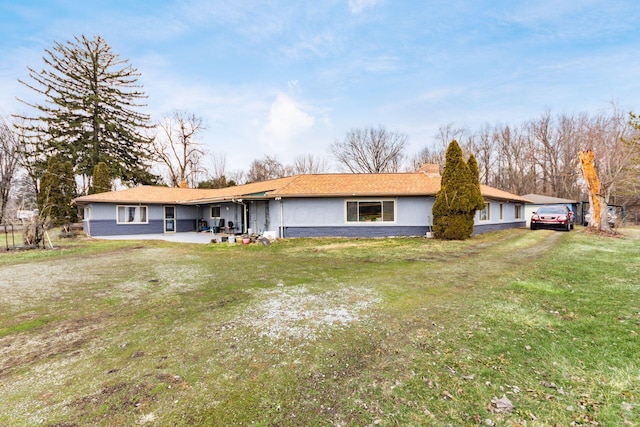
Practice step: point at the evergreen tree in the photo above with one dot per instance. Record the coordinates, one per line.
(220, 182)
(101, 179)
(458, 198)
(476, 193)
(89, 111)
(57, 189)
(474, 188)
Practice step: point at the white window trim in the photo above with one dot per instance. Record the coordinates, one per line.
(211, 212)
(138, 207)
(501, 213)
(487, 207)
(371, 223)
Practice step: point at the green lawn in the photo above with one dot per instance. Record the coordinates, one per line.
(324, 332)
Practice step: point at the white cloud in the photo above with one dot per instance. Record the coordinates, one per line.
(357, 6)
(286, 121)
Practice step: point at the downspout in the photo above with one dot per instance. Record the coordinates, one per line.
(281, 228)
(89, 221)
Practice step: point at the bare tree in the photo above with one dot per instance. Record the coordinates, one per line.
(436, 153)
(177, 148)
(23, 193)
(450, 132)
(9, 157)
(629, 188)
(613, 141)
(237, 176)
(265, 169)
(216, 173)
(309, 164)
(547, 157)
(371, 150)
(541, 155)
(427, 155)
(32, 160)
(483, 148)
(515, 171)
(217, 166)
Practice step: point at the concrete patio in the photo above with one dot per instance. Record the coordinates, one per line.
(188, 237)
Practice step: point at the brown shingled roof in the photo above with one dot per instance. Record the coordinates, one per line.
(245, 190)
(311, 185)
(383, 184)
(145, 194)
(174, 195)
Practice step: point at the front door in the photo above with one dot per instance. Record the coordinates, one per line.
(169, 219)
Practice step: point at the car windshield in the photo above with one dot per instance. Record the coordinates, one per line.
(555, 210)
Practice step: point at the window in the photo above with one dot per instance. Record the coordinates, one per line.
(501, 211)
(132, 215)
(485, 214)
(215, 212)
(371, 211)
(518, 212)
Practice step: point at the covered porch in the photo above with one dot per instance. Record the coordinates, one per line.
(232, 216)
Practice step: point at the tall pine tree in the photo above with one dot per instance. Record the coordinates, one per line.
(89, 113)
(458, 198)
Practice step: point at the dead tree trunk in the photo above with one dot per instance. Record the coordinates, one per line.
(597, 202)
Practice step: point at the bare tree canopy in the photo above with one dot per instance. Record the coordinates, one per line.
(629, 187)
(177, 149)
(9, 156)
(541, 155)
(309, 164)
(370, 150)
(427, 156)
(265, 169)
(216, 173)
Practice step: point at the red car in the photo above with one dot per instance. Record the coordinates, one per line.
(553, 216)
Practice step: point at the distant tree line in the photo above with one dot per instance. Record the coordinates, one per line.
(540, 156)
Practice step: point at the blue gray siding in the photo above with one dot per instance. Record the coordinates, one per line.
(485, 228)
(103, 220)
(299, 217)
(323, 212)
(346, 231)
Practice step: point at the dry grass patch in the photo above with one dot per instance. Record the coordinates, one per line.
(300, 314)
(326, 332)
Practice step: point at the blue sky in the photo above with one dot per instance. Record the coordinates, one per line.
(285, 78)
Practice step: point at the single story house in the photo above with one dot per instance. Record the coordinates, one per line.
(309, 205)
(537, 200)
